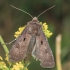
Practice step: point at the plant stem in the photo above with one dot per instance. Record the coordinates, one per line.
(4, 45)
(58, 52)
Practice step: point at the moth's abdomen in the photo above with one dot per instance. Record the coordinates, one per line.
(31, 45)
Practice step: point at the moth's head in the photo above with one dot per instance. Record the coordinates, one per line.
(35, 19)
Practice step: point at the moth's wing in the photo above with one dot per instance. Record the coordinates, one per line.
(42, 51)
(19, 49)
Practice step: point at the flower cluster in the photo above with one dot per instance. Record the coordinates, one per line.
(17, 66)
(45, 29)
(19, 31)
(6, 65)
(3, 65)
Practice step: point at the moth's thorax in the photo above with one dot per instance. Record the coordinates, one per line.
(34, 26)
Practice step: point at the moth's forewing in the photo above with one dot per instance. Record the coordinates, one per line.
(42, 51)
(19, 49)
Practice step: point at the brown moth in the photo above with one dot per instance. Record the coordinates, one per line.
(32, 41)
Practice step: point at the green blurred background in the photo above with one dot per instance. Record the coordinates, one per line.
(58, 20)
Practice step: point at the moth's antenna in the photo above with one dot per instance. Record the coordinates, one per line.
(21, 10)
(45, 11)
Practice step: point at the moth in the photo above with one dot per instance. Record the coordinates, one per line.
(32, 41)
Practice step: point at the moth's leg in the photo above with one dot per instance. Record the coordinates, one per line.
(10, 42)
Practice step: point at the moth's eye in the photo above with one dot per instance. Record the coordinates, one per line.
(41, 42)
(24, 39)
